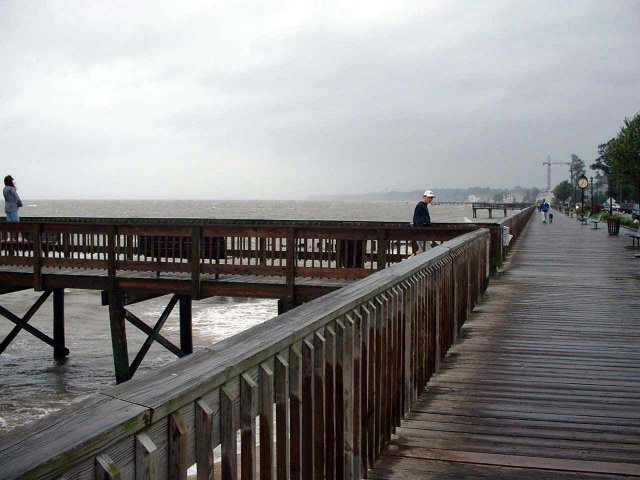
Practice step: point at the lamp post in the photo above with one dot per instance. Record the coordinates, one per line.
(610, 195)
(591, 181)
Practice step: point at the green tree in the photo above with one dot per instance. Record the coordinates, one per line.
(626, 153)
(563, 191)
(602, 164)
(576, 169)
(619, 158)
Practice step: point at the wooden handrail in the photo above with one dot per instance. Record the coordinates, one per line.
(341, 371)
(257, 247)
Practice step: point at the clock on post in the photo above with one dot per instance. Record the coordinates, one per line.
(582, 183)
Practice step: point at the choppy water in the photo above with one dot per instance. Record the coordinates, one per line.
(33, 384)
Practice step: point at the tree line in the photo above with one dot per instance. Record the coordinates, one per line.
(618, 160)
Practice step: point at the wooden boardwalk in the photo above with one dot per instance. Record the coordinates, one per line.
(544, 381)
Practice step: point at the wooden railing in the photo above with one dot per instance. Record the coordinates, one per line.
(207, 249)
(202, 249)
(314, 393)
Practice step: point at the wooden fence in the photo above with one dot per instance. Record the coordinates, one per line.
(313, 393)
(202, 250)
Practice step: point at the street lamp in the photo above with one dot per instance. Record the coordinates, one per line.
(610, 194)
(591, 181)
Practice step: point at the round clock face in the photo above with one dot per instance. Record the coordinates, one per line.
(583, 182)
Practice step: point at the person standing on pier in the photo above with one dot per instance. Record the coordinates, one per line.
(421, 218)
(544, 208)
(12, 201)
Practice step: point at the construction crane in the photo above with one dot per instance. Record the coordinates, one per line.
(548, 163)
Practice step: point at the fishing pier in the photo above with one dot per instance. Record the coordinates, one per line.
(496, 206)
(133, 260)
(381, 365)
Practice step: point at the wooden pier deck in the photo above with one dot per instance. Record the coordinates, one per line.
(544, 381)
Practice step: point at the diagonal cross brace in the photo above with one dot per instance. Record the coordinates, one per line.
(153, 334)
(22, 323)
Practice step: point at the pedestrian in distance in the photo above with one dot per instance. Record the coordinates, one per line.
(544, 209)
(12, 200)
(421, 218)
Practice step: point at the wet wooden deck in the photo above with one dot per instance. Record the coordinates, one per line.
(545, 379)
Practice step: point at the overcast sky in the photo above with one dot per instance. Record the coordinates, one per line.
(259, 100)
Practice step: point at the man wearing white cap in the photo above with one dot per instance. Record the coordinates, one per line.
(421, 217)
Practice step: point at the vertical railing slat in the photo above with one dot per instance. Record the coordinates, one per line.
(318, 408)
(329, 418)
(146, 458)
(266, 423)
(282, 417)
(308, 411)
(106, 468)
(204, 440)
(228, 434)
(177, 447)
(248, 412)
(295, 410)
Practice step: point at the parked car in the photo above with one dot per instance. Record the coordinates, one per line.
(628, 207)
(615, 206)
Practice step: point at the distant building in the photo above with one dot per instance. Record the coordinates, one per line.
(473, 199)
(512, 198)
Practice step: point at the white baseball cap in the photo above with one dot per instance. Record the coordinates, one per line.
(429, 193)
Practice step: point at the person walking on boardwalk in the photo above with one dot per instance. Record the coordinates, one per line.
(12, 201)
(421, 218)
(544, 208)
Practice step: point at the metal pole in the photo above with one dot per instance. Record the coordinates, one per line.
(591, 181)
(610, 195)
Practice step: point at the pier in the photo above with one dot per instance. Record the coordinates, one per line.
(497, 206)
(424, 369)
(315, 392)
(544, 381)
(133, 260)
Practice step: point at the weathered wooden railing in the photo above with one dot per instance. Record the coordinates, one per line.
(497, 206)
(200, 250)
(320, 388)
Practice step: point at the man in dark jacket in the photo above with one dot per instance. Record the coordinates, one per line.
(421, 217)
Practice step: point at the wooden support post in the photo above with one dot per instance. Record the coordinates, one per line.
(382, 249)
(119, 337)
(37, 257)
(289, 302)
(196, 234)
(186, 327)
(59, 349)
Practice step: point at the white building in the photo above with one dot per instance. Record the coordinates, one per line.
(512, 198)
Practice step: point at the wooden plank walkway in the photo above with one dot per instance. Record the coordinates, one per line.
(545, 379)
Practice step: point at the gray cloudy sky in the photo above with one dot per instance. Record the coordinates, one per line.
(288, 99)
